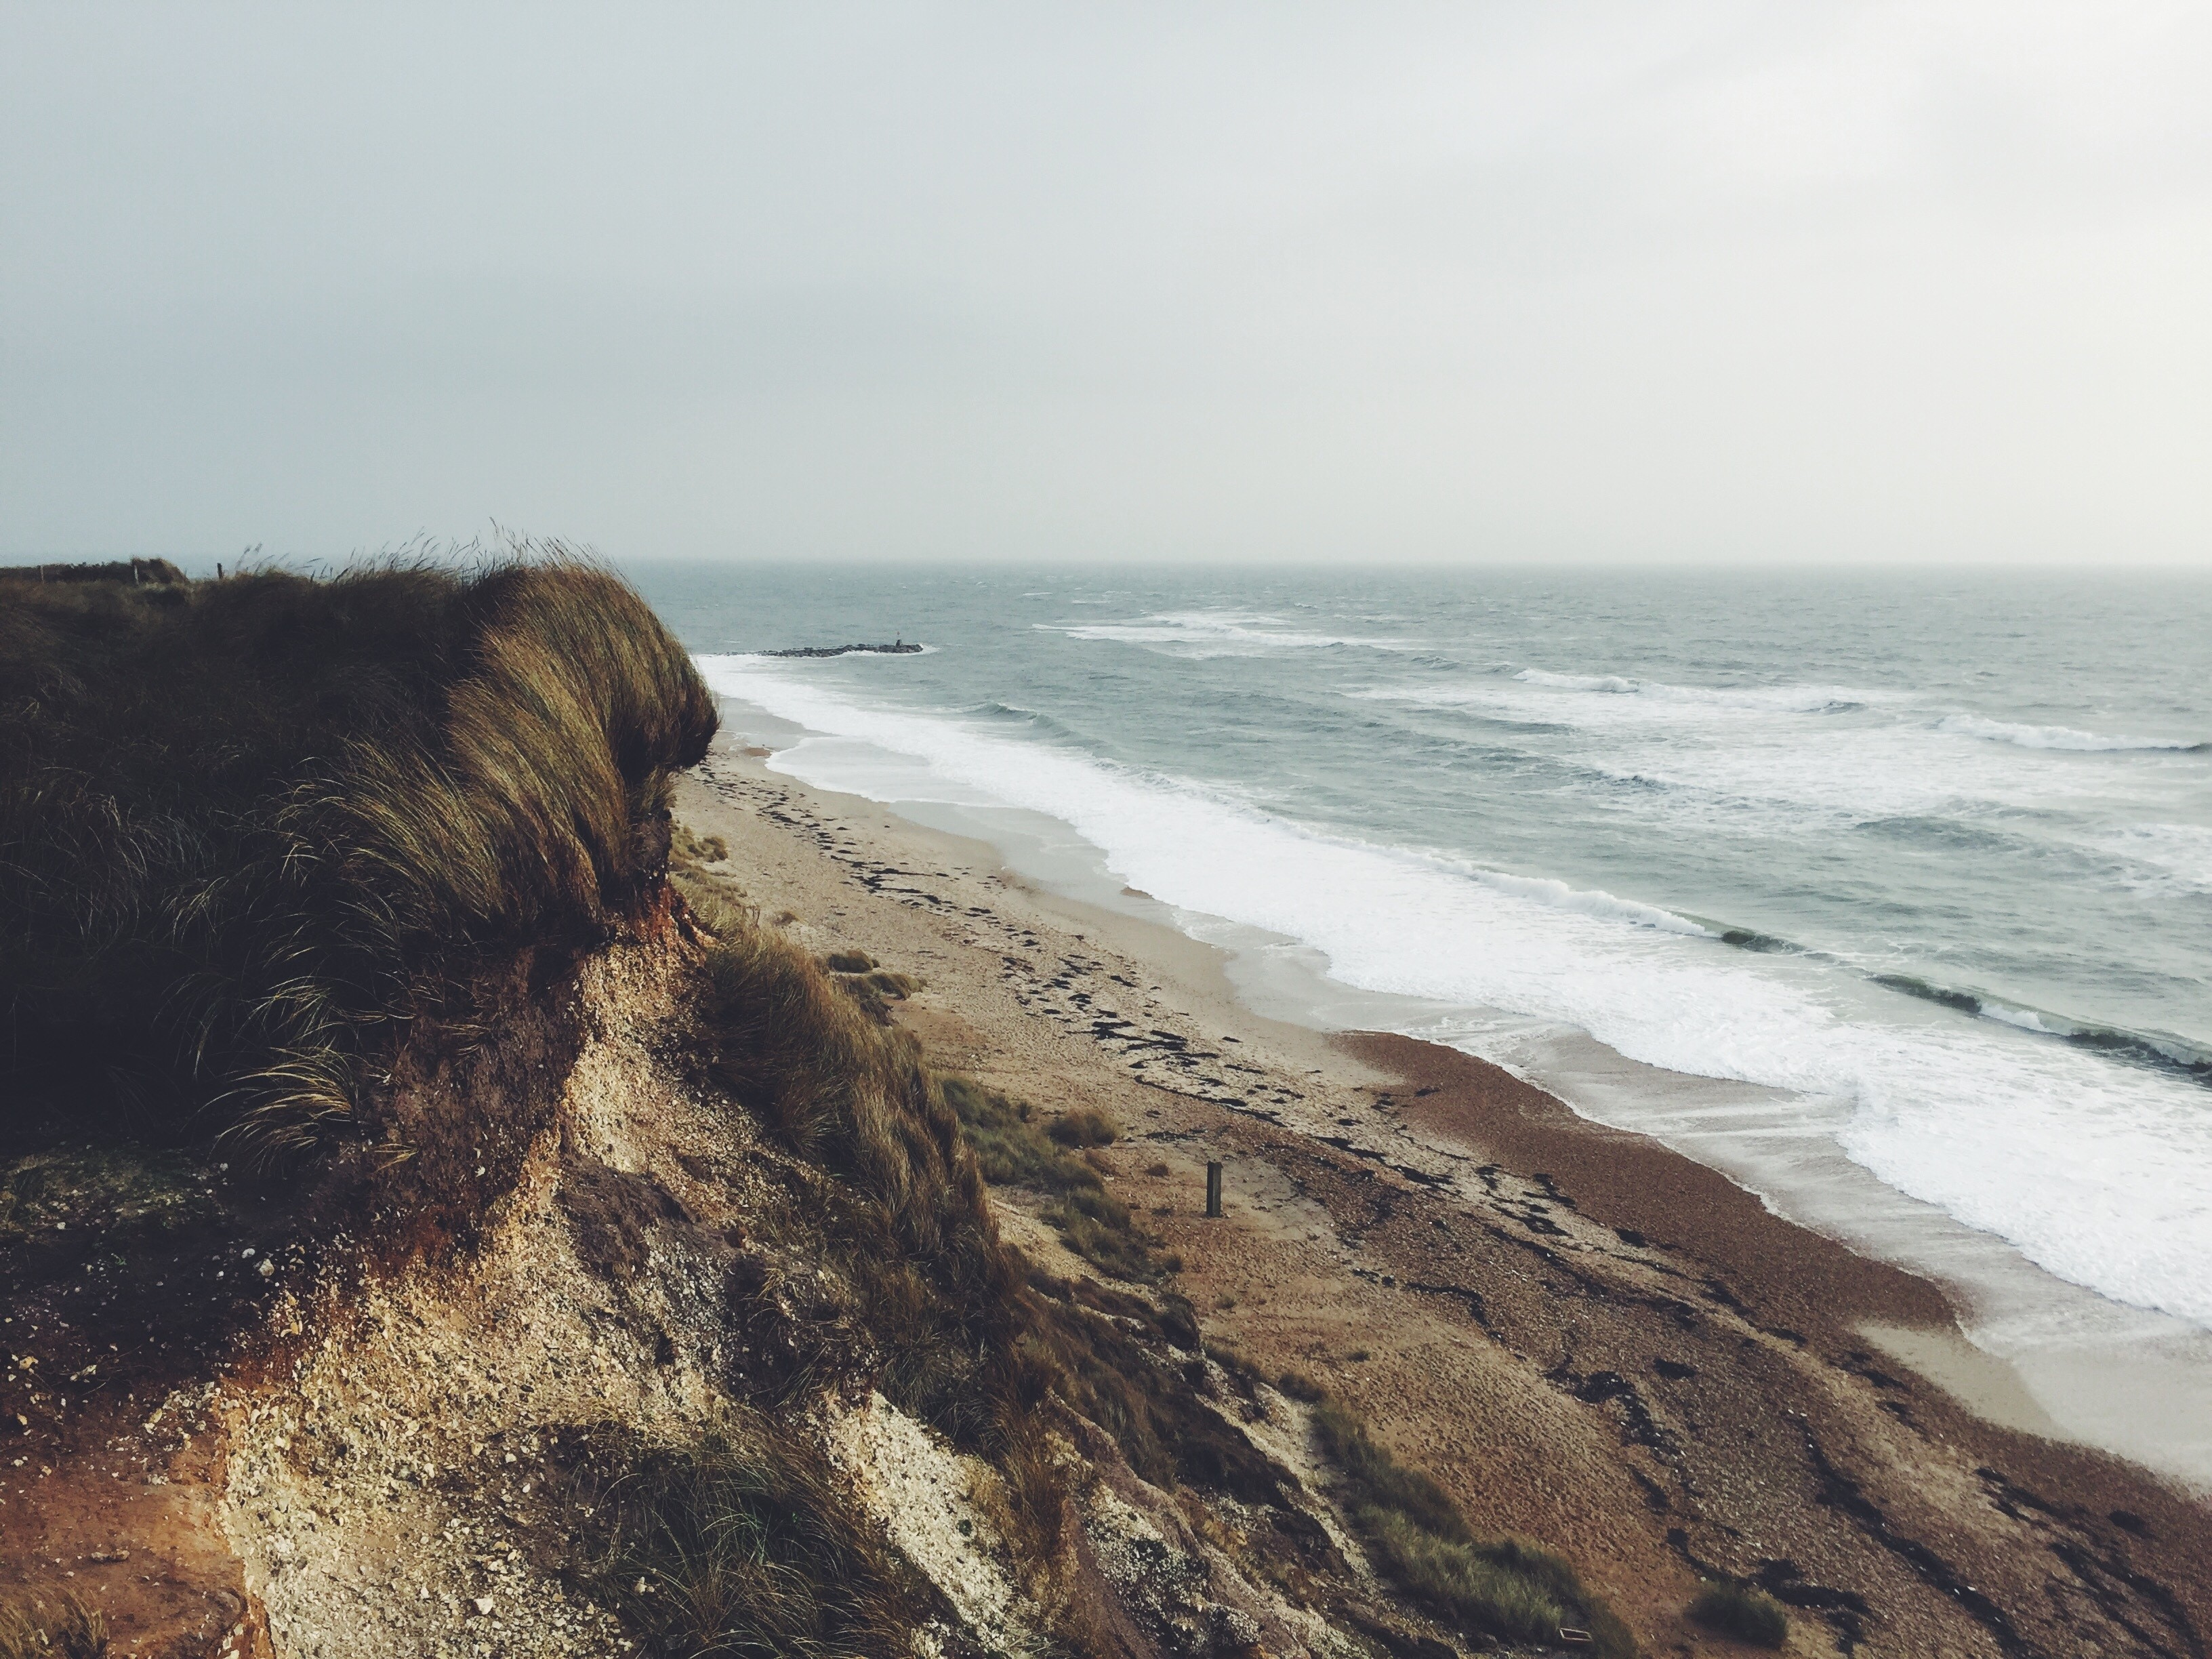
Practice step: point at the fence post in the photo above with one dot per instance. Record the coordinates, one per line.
(1213, 1189)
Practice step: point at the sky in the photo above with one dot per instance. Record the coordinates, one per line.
(1669, 280)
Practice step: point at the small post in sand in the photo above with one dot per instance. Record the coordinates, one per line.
(1213, 1189)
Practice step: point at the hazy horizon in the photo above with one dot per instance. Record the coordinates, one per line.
(1699, 283)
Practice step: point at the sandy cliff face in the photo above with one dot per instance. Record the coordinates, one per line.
(400, 1444)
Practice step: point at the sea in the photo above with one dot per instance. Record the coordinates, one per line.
(1887, 893)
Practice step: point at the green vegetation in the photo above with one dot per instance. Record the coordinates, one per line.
(904, 1210)
(247, 827)
(1745, 1614)
(1506, 1589)
(1111, 1369)
(744, 1544)
(1084, 1126)
(1011, 1151)
(64, 1628)
(874, 987)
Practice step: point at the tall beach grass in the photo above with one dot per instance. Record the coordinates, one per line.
(247, 825)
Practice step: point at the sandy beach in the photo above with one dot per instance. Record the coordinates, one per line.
(1590, 1338)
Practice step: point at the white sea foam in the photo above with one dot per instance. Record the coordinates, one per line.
(1541, 890)
(2096, 1171)
(2176, 857)
(1215, 633)
(2055, 737)
(2026, 1019)
(1597, 702)
(1610, 683)
(1763, 759)
(1752, 699)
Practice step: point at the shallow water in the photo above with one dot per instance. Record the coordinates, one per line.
(1927, 860)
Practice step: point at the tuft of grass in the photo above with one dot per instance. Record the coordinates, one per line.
(743, 1543)
(1012, 1150)
(695, 848)
(31, 1628)
(1505, 1589)
(1739, 1611)
(1298, 1386)
(1084, 1126)
(905, 1211)
(248, 827)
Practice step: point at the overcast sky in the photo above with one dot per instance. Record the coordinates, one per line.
(1779, 283)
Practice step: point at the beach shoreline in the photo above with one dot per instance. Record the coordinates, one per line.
(1520, 1290)
(2025, 1347)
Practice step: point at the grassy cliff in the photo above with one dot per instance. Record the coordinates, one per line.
(246, 827)
(696, 1273)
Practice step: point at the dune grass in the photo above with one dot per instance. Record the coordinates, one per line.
(1504, 1589)
(1083, 1127)
(1012, 1150)
(907, 1218)
(62, 1626)
(246, 826)
(1746, 1615)
(743, 1543)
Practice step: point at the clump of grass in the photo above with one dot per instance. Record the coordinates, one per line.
(1298, 1386)
(744, 1544)
(248, 827)
(906, 1216)
(876, 991)
(1084, 1126)
(1012, 1150)
(1739, 1611)
(869, 983)
(1506, 1589)
(65, 1628)
(1099, 1227)
(1118, 1370)
(695, 848)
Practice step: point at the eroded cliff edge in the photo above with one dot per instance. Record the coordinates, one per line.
(428, 1229)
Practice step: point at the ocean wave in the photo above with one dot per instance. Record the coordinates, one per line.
(1615, 697)
(1216, 633)
(2059, 737)
(2094, 1170)
(1759, 699)
(2160, 1050)
(1583, 901)
(1610, 683)
(2174, 857)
